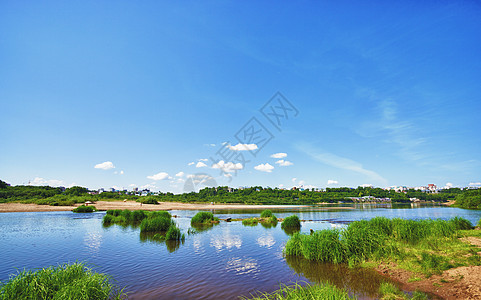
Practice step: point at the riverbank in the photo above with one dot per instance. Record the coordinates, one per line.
(133, 205)
(456, 283)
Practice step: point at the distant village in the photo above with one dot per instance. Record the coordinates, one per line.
(430, 188)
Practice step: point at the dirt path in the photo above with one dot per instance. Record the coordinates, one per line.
(457, 283)
(132, 205)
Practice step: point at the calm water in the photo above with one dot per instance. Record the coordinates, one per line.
(223, 262)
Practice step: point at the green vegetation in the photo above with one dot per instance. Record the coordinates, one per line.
(156, 224)
(253, 195)
(469, 199)
(250, 222)
(204, 217)
(84, 209)
(318, 291)
(425, 246)
(267, 213)
(291, 222)
(389, 291)
(68, 281)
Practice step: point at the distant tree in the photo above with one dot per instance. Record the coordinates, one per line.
(3, 184)
(76, 191)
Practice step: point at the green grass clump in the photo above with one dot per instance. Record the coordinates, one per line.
(203, 217)
(389, 291)
(84, 209)
(156, 224)
(159, 213)
(149, 201)
(291, 222)
(266, 213)
(174, 234)
(250, 222)
(68, 281)
(461, 223)
(114, 212)
(423, 246)
(314, 292)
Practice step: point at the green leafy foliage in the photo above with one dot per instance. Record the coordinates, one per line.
(308, 292)
(84, 209)
(291, 222)
(266, 213)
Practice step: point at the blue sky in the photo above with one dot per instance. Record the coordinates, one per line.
(386, 93)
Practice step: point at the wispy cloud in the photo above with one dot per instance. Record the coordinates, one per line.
(41, 182)
(284, 163)
(331, 182)
(340, 162)
(243, 147)
(200, 165)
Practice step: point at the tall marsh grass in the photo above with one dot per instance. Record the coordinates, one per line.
(68, 281)
(381, 238)
(203, 217)
(267, 213)
(291, 222)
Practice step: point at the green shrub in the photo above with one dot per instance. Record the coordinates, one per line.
(291, 222)
(108, 219)
(203, 217)
(137, 216)
(149, 201)
(266, 213)
(155, 224)
(84, 209)
(114, 212)
(74, 281)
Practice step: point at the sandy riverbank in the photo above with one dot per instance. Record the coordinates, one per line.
(132, 205)
(456, 283)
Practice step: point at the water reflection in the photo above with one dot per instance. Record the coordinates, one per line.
(360, 281)
(202, 227)
(226, 241)
(266, 241)
(291, 230)
(242, 266)
(157, 238)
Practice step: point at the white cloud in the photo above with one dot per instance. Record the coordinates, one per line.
(180, 174)
(330, 181)
(105, 165)
(41, 181)
(191, 163)
(281, 185)
(302, 182)
(449, 185)
(132, 185)
(264, 168)
(227, 166)
(279, 155)
(200, 165)
(122, 172)
(475, 184)
(159, 176)
(203, 159)
(367, 185)
(243, 147)
(284, 163)
(294, 179)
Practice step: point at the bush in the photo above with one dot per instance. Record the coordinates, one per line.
(266, 213)
(155, 224)
(461, 224)
(114, 212)
(74, 281)
(84, 209)
(149, 201)
(160, 213)
(203, 217)
(291, 222)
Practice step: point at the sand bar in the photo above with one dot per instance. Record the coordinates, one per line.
(132, 205)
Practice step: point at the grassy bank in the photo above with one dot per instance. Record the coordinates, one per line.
(68, 281)
(423, 247)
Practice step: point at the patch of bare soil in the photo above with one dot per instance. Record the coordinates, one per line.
(457, 283)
